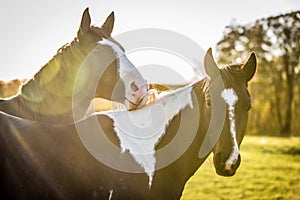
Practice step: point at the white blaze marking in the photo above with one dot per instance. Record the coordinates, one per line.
(231, 98)
(125, 65)
(140, 130)
(127, 72)
(110, 194)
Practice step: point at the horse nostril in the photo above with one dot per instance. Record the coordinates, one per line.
(134, 87)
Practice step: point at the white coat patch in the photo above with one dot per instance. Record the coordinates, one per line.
(231, 98)
(140, 130)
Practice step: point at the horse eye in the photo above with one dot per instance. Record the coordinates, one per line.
(134, 87)
(208, 103)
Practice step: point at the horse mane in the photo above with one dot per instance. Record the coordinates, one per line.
(204, 84)
(66, 56)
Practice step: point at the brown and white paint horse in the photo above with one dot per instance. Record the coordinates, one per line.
(92, 65)
(46, 161)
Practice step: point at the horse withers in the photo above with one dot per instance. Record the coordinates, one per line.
(92, 65)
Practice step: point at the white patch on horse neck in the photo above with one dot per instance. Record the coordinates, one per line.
(125, 66)
(231, 98)
(139, 131)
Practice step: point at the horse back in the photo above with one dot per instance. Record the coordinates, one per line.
(50, 162)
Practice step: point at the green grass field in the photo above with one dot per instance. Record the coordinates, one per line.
(270, 169)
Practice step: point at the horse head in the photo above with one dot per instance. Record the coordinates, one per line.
(92, 65)
(238, 102)
(117, 78)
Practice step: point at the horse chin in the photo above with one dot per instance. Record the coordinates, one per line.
(226, 170)
(225, 173)
(147, 98)
(130, 105)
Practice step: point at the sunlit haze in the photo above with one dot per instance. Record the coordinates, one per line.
(32, 31)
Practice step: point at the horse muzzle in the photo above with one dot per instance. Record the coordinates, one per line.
(144, 98)
(224, 169)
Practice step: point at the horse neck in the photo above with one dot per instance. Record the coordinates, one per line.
(48, 96)
(192, 153)
(190, 161)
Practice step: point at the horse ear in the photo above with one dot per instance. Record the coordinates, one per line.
(250, 67)
(85, 21)
(210, 65)
(109, 23)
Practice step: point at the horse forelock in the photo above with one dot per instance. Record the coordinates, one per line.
(205, 84)
(95, 35)
(232, 75)
(100, 32)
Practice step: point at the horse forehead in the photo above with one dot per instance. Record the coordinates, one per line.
(105, 52)
(100, 32)
(232, 77)
(126, 69)
(242, 95)
(232, 70)
(117, 47)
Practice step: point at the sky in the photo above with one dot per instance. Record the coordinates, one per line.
(33, 30)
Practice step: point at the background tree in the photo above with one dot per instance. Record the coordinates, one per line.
(276, 41)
